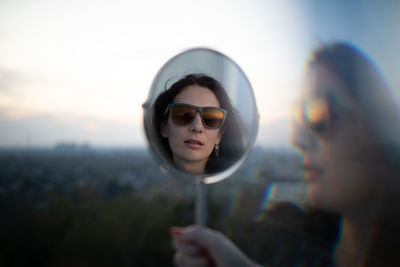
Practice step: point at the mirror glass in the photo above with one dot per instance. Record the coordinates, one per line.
(219, 134)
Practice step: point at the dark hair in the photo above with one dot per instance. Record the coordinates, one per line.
(232, 144)
(366, 85)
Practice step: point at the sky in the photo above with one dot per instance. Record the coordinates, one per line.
(79, 71)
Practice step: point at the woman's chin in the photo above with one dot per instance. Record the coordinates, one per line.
(194, 156)
(315, 196)
(322, 201)
(191, 163)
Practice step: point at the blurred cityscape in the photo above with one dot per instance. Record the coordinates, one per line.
(73, 205)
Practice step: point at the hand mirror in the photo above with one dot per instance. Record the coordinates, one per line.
(200, 118)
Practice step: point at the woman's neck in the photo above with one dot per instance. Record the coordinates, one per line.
(197, 167)
(352, 244)
(356, 235)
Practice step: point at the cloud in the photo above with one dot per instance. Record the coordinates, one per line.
(91, 127)
(9, 80)
(48, 130)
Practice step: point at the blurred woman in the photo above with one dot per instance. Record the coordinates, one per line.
(347, 128)
(197, 126)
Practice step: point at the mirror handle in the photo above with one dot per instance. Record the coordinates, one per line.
(201, 203)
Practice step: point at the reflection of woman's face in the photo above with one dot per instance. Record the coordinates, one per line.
(335, 156)
(192, 144)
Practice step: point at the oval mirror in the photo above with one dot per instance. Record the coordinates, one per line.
(207, 83)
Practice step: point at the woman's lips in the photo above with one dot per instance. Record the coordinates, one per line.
(312, 173)
(194, 143)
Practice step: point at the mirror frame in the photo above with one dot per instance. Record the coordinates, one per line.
(251, 132)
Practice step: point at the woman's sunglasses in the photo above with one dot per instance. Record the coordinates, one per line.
(184, 114)
(322, 113)
(315, 114)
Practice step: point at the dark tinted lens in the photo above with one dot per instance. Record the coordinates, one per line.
(213, 117)
(316, 114)
(182, 115)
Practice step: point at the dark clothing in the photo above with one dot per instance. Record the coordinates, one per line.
(293, 237)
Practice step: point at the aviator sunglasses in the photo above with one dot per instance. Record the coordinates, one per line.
(184, 114)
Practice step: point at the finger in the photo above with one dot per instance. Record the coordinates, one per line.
(189, 248)
(177, 232)
(193, 240)
(202, 236)
(188, 234)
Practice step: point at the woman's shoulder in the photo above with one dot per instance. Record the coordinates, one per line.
(307, 235)
(290, 238)
(311, 222)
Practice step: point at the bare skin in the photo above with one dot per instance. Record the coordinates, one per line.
(197, 246)
(336, 168)
(188, 157)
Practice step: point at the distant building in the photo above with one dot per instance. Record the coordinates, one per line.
(66, 146)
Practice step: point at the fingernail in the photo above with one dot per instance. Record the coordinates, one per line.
(175, 231)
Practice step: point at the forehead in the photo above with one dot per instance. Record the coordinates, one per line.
(197, 96)
(322, 81)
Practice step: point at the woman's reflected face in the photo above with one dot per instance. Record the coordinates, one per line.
(335, 144)
(192, 144)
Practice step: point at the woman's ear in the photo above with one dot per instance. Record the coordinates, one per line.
(163, 130)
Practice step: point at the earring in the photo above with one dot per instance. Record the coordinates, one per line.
(216, 148)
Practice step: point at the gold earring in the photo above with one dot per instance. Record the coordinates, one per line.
(216, 148)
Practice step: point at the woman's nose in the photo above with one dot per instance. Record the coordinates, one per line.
(197, 124)
(302, 138)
